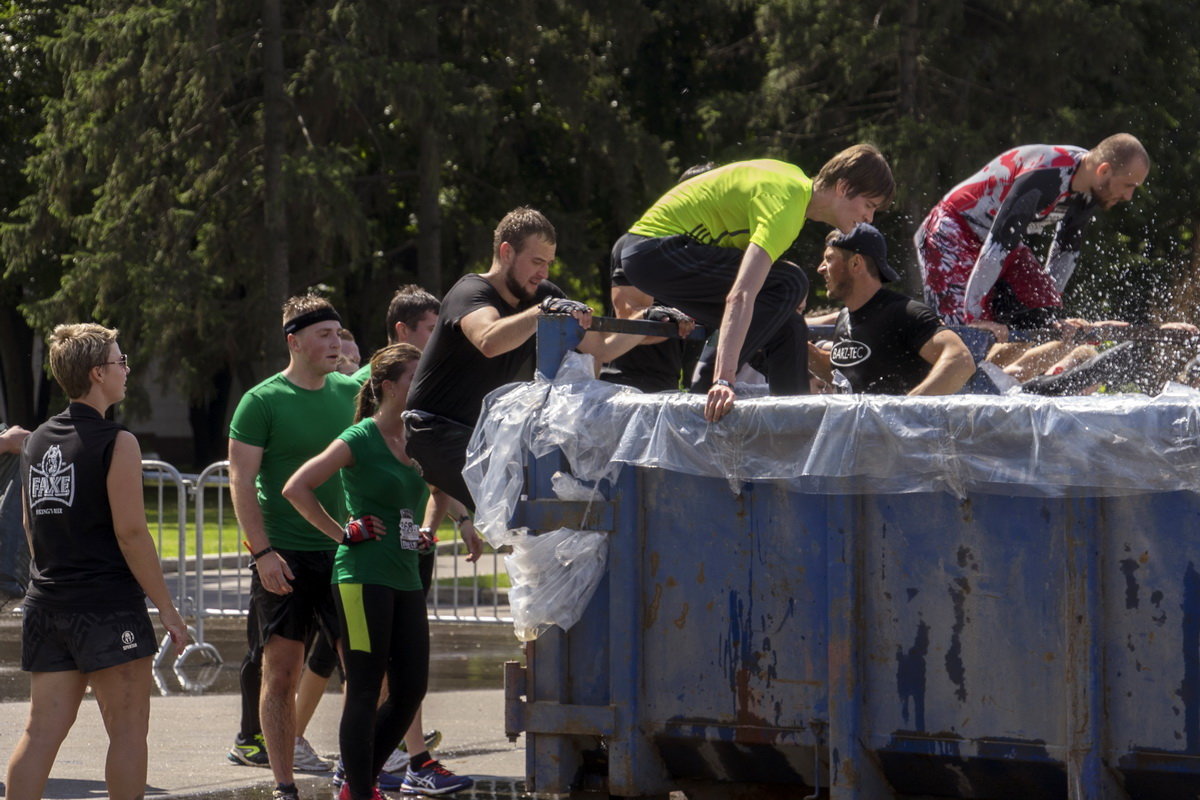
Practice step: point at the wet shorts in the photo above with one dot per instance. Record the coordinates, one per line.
(307, 608)
(86, 641)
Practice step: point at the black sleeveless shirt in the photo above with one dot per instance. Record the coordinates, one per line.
(77, 563)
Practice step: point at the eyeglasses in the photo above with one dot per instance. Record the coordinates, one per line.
(123, 361)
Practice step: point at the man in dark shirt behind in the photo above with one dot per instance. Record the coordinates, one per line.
(484, 334)
(884, 342)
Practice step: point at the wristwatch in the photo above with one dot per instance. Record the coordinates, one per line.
(723, 382)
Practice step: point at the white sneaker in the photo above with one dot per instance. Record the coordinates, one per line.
(397, 761)
(307, 760)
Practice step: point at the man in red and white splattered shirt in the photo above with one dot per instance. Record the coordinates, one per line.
(975, 264)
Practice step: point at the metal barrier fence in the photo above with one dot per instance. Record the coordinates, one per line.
(212, 579)
(159, 474)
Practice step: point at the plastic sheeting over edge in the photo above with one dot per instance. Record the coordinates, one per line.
(831, 444)
(834, 444)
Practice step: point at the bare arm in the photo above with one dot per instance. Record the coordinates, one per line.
(495, 335)
(630, 302)
(952, 364)
(133, 537)
(244, 463)
(828, 318)
(820, 363)
(300, 489)
(604, 347)
(739, 309)
(440, 504)
(12, 438)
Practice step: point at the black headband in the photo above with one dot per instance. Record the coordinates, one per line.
(311, 318)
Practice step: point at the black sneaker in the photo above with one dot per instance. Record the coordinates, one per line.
(250, 752)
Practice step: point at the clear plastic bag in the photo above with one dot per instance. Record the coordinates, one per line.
(553, 576)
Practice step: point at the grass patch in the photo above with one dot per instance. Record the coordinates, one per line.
(163, 520)
(469, 581)
(164, 517)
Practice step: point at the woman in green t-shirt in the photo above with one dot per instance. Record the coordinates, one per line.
(385, 631)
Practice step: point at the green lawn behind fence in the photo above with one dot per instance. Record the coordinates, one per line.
(217, 538)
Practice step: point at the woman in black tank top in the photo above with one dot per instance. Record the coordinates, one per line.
(94, 565)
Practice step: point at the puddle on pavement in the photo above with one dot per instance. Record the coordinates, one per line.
(463, 656)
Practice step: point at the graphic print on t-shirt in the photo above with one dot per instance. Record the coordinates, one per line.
(54, 482)
(849, 352)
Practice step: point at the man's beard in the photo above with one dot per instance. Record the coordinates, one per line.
(834, 291)
(518, 290)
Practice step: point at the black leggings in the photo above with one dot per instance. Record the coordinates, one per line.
(384, 632)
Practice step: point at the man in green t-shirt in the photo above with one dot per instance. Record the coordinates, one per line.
(278, 425)
(711, 247)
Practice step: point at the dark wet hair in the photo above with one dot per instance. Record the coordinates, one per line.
(408, 305)
(518, 225)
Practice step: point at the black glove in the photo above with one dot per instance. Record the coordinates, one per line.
(665, 314)
(561, 305)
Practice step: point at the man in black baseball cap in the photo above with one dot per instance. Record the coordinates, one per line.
(884, 342)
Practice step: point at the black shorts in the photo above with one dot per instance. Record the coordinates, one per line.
(439, 446)
(321, 659)
(307, 608)
(84, 641)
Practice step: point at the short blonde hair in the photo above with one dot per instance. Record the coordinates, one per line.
(74, 350)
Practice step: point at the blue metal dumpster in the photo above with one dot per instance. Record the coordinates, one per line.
(915, 610)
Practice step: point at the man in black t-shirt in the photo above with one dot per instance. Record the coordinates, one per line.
(484, 335)
(884, 342)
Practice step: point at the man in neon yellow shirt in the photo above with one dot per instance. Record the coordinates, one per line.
(711, 247)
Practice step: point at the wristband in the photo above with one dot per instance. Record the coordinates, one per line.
(261, 553)
(723, 382)
(427, 542)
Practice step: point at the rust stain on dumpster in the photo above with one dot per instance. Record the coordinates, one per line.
(681, 620)
(651, 615)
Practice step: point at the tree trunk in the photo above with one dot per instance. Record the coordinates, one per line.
(908, 58)
(909, 109)
(16, 366)
(207, 420)
(429, 210)
(429, 171)
(274, 208)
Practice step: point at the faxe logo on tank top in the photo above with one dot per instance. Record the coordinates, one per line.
(847, 353)
(52, 483)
